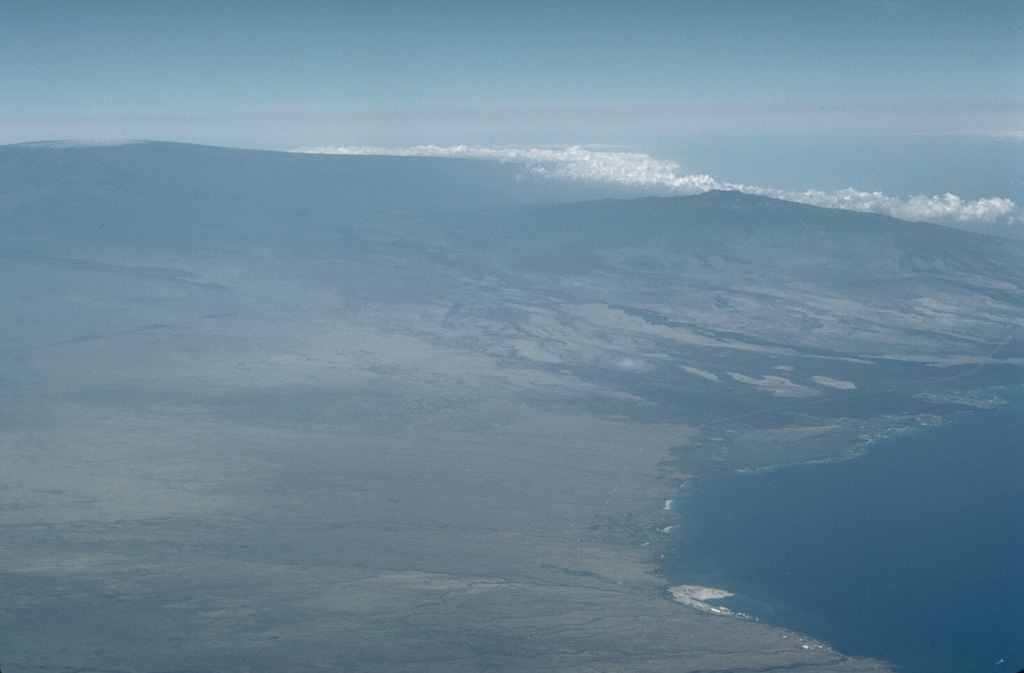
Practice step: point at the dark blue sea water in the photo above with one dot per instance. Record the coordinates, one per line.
(913, 553)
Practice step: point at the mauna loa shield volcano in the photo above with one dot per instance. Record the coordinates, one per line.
(268, 411)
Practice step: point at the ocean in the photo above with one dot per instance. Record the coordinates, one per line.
(912, 553)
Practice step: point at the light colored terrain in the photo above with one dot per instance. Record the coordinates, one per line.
(200, 472)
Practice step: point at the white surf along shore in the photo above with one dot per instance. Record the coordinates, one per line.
(697, 596)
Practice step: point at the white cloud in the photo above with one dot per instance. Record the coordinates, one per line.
(945, 209)
(642, 170)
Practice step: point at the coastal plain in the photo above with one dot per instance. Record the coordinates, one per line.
(253, 423)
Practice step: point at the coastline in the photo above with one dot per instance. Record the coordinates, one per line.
(696, 588)
(697, 597)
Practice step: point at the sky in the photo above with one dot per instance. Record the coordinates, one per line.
(753, 91)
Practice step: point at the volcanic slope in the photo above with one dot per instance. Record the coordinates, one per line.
(268, 411)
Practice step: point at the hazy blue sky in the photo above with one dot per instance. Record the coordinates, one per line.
(755, 90)
(270, 75)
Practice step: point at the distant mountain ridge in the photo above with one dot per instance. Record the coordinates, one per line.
(43, 181)
(201, 188)
(178, 197)
(484, 217)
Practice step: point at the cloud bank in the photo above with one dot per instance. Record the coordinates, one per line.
(643, 171)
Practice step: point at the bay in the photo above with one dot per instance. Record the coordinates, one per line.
(912, 553)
